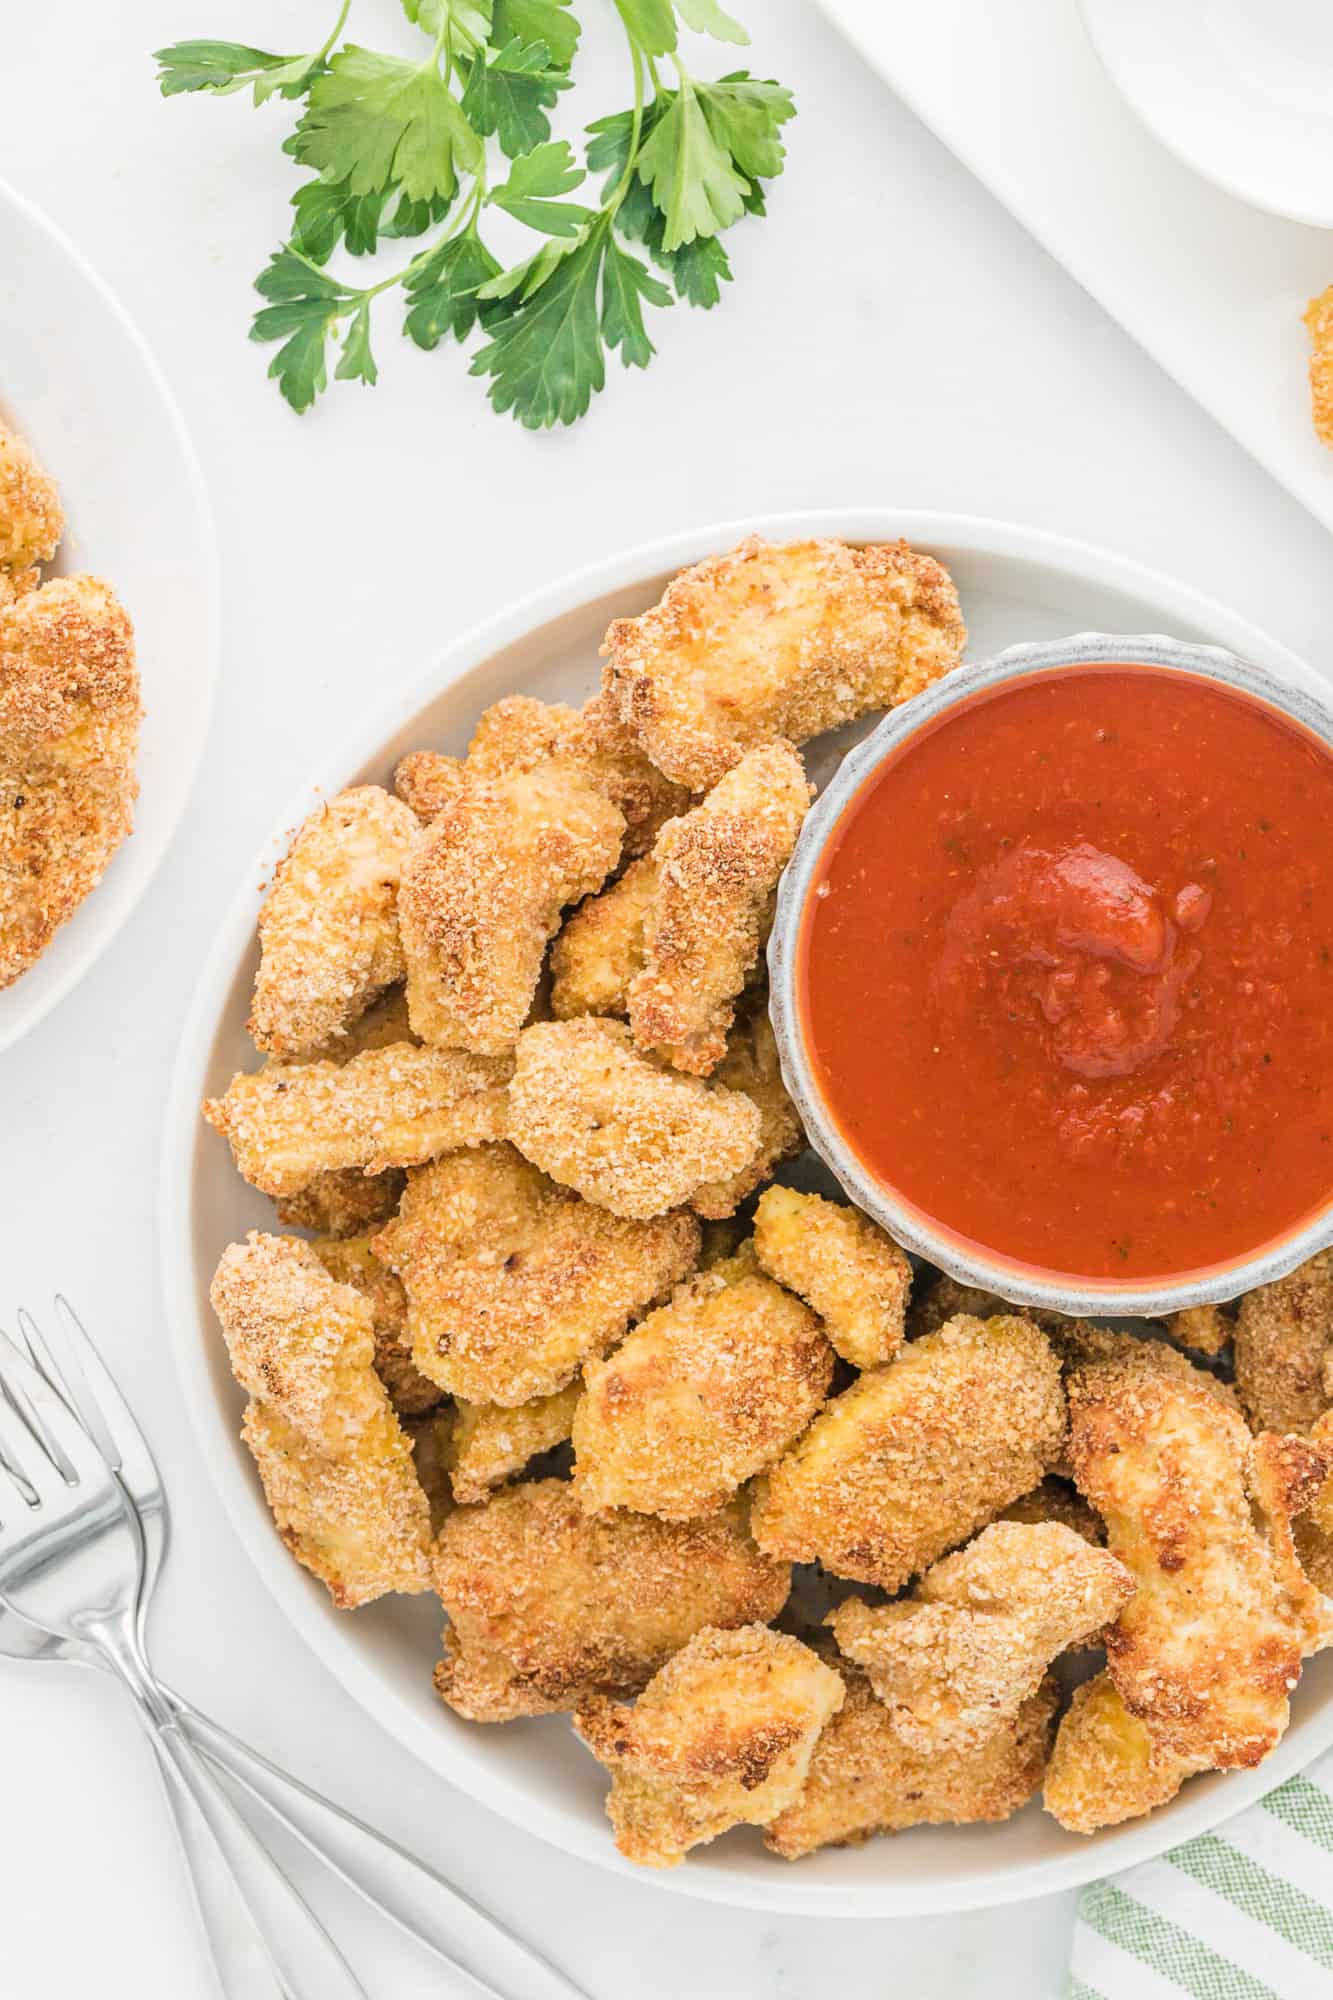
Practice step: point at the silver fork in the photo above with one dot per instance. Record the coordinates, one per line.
(391, 1880)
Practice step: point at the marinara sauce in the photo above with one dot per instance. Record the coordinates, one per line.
(1067, 973)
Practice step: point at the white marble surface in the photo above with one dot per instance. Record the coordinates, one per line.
(892, 336)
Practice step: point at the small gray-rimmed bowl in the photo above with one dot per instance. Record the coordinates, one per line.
(968, 1262)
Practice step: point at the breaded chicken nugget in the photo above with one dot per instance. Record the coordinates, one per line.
(550, 1606)
(328, 930)
(864, 1780)
(347, 1203)
(600, 948)
(512, 1282)
(383, 1023)
(721, 1737)
(717, 873)
(595, 1115)
(1203, 1329)
(490, 1443)
(939, 1298)
(31, 521)
(431, 1438)
(956, 1661)
(1283, 1340)
(916, 1456)
(335, 1464)
(704, 1392)
(351, 1261)
(1056, 1500)
(778, 640)
(427, 781)
(852, 1274)
(391, 1107)
(751, 1066)
(69, 727)
(1106, 1766)
(1319, 320)
(483, 893)
(1209, 1648)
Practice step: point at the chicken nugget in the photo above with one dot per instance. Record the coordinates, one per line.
(432, 1441)
(1283, 1339)
(1057, 1500)
(69, 728)
(391, 1107)
(919, 1454)
(938, 1298)
(636, 1138)
(328, 930)
(427, 781)
(703, 1393)
(482, 895)
(31, 521)
(1203, 1329)
(864, 1780)
(751, 1066)
(1319, 321)
(347, 1203)
(1106, 1766)
(956, 1660)
(351, 1261)
(778, 640)
(852, 1274)
(717, 875)
(383, 1023)
(550, 1606)
(600, 948)
(721, 1737)
(512, 1282)
(490, 1443)
(1208, 1649)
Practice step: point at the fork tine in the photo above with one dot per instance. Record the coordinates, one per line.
(54, 1421)
(96, 1392)
(25, 1455)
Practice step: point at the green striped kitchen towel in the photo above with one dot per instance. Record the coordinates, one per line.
(1242, 1914)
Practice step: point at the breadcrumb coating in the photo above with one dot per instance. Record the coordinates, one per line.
(1283, 1340)
(1319, 320)
(704, 1393)
(917, 1455)
(383, 1023)
(938, 1298)
(712, 907)
(69, 729)
(844, 1267)
(512, 1282)
(721, 1737)
(432, 1438)
(483, 893)
(31, 520)
(1056, 1500)
(427, 780)
(351, 1261)
(751, 1066)
(490, 1443)
(600, 949)
(1203, 1329)
(778, 640)
(638, 1139)
(328, 930)
(956, 1661)
(864, 1780)
(347, 1203)
(390, 1107)
(1106, 1766)
(550, 1606)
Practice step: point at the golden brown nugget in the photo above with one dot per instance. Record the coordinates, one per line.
(1106, 1767)
(512, 1282)
(1209, 1648)
(490, 1443)
(383, 1023)
(778, 640)
(550, 1606)
(1203, 1329)
(31, 521)
(704, 1393)
(956, 1660)
(1286, 1477)
(391, 1107)
(432, 1439)
(483, 893)
(917, 1455)
(852, 1274)
(721, 1737)
(1319, 320)
(351, 1261)
(863, 1779)
(637, 1138)
(1283, 1339)
(328, 930)
(348, 1203)
(69, 728)
(600, 949)
(1056, 1500)
(939, 1298)
(712, 908)
(427, 780)
(751, 1066)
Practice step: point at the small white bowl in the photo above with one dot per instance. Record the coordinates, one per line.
(1084, 1299)
(1240, 90)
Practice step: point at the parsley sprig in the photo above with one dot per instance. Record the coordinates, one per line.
(443, 143)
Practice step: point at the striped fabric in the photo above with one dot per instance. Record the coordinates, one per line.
(1242, 1914)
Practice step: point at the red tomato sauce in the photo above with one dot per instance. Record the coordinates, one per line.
(1067, 974)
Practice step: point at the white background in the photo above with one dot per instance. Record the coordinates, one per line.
(892, 338)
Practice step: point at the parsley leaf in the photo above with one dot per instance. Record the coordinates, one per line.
(626, 283)
(357, 363)
(226, 66)
(547, 170)
(375, 119)
(328, 213)
(547, 21)
(650, 23)
(745, 116)
(692, 177)
(509, 94)
(444, 290)
(466, 24)
(307, 305)
(546, 360)
(707, 18)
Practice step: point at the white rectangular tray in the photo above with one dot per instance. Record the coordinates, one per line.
(1212, 288)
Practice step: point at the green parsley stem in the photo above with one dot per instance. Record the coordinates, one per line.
(338, 27)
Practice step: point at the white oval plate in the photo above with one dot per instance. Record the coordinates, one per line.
(77, 381)
(1242, 91)
(1015, 583)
